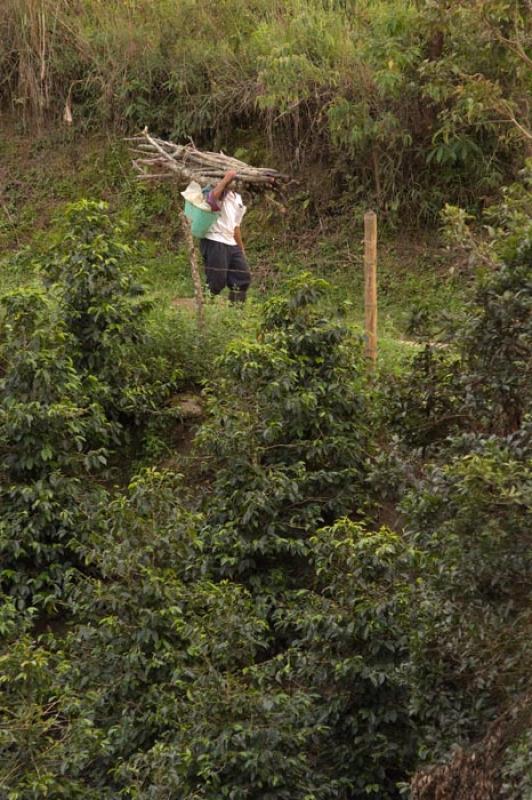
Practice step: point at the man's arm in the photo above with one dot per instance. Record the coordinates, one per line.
(222, 185)
(238, 238)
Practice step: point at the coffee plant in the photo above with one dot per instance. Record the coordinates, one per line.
(288, 435)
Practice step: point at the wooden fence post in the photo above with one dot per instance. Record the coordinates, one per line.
(370, 284)
(196, 278)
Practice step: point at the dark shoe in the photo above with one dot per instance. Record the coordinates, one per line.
(237, 296)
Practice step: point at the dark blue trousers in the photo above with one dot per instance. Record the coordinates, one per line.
(225, 265)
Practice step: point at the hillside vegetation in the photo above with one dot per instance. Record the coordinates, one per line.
(236, 562)
(408, 104)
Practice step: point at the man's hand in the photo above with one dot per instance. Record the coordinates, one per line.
(238, 239)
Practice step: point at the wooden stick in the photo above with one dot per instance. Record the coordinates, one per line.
(196, 278)
(168, 159)
(146, 177)
(370, 285)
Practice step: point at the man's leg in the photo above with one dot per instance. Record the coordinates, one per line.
(216, 261)
(238, 275)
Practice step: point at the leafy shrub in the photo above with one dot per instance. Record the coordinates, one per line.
(273, 645)
(149, 640)
(288, 435)
(482, 381)
(346, 638)
(517, 769)
(426, 403)
(93, 269)
(92, 264)
(497, 341)
(77, 371)
(51, 436)
(470, 517)
(190, 683)
(168, 683)
(45, 736)
(327, 712)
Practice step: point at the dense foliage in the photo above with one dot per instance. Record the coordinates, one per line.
(74, 374)
(170, 678)
(330, 587)
(251, 630)
(413, 103)
(291, 438)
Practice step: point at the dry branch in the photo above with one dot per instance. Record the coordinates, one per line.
(475, 774)
(155, 158)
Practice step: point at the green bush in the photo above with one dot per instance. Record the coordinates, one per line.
(166, 682)
(247, 631)
(481, 381)
(469, 515)
(326, 713)
(497, 341)
(191, 683)
(52, 438)
(426, 403)
(94, 270)
(77, 374)
(288, 435)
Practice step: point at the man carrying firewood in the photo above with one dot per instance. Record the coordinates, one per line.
(222, 249)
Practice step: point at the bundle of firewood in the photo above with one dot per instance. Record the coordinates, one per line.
(155, 159)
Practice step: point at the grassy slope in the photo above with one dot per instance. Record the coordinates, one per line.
(42, 173)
